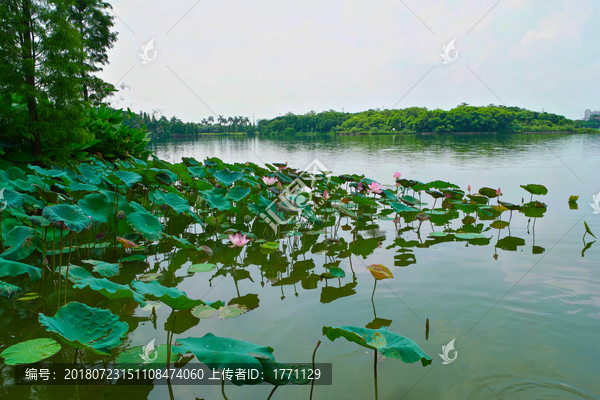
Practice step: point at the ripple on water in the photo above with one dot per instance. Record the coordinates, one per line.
(507, 386)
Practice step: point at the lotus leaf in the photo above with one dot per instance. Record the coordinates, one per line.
(220, 352)
(157, 357)
(146, 224)
(14, 268)
(8, 291)
(389, 344)
(76, 273)
(227, 178)
(97, 206)
(30, 351)
(535, 189)
(110, 290)
(174, 298)
(71, 216)
(380, 271)
(205, 267)
(237, 193)
(86, 327)
(217, 201)
(104, 268)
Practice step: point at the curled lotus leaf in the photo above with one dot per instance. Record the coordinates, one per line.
(110, 290)
(86, 327)
(389, 344)
(380, 271)
(146, 224)
(174, 298)
(15, 268)
(71, 216)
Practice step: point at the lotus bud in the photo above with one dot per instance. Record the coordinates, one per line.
(325, 195)
(45, 262)
(121, 215)
(469, 188)
(163, 207)
(279, 185)
(495, 256)
(247, 163)
(100, 236)
(397, 184)
(499, 192)
(218, 185)
(397, 175)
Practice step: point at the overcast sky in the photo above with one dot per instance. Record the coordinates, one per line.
(270, 57)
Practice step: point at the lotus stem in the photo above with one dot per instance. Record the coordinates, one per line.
(375, 372)
(223, 387)
(68, 265)
(312, 384)
(272, 391)
(76, 353)
(1, 238)
(59, 268)
(169, 339)
(374, 287)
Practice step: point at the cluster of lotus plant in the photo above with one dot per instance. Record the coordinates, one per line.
(65, 231)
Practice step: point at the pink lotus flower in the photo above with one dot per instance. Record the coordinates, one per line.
(397, 175)
(238, 240)
(397, 184)
(469, 188)
(279, 185)
(247, 163)
(326, 195)
(268, 180)
(281, 168)
(375, 187)
(359, 187)
(498, 192)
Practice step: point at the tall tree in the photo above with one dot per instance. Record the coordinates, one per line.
(94, 22)
(37, 46)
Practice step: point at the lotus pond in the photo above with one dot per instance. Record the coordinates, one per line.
(398, 247)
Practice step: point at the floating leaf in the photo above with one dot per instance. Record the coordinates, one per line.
(133, 357)
(204, 267)
(389, 344)
(270, 245)
(31, 351)
(150, 276)
(76, 273)
(86, 327)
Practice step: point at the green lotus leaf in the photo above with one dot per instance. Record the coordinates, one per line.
(165, 176)
(488, 192)
(438, 234)
(8, 291)
(146, 224)
(135, 257)
(86, 327)
(535, 189)
(204, 267)
(89, 174)
(237, 193)
(133, 356)
(270, 245)
(76, 186)
(173, 200)
(510, 243)
(362, 200)
(14, 268)
(469, 236)
(110, 290)
(174, 298)
(411, 201)
(219, 352)
(587, 229)
(10, 198)
(38, 220)
(71, 216)
(128, 178)
(442, 185)
(217, 201)
(22, 242)
(50, 173)
(179, 242)
(398, 207)
(510, 206)
(228, 178)
(198, 172)
(104, 268)
(499, 224)
(97, 206)
(389, 344)
(76, 273)
(30, 351)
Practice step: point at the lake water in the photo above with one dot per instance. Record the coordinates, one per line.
(522, 305)
(525, 325)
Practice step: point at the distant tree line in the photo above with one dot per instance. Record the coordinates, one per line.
(160, 126)
(464, 118)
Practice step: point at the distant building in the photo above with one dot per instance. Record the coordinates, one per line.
(589, 113)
